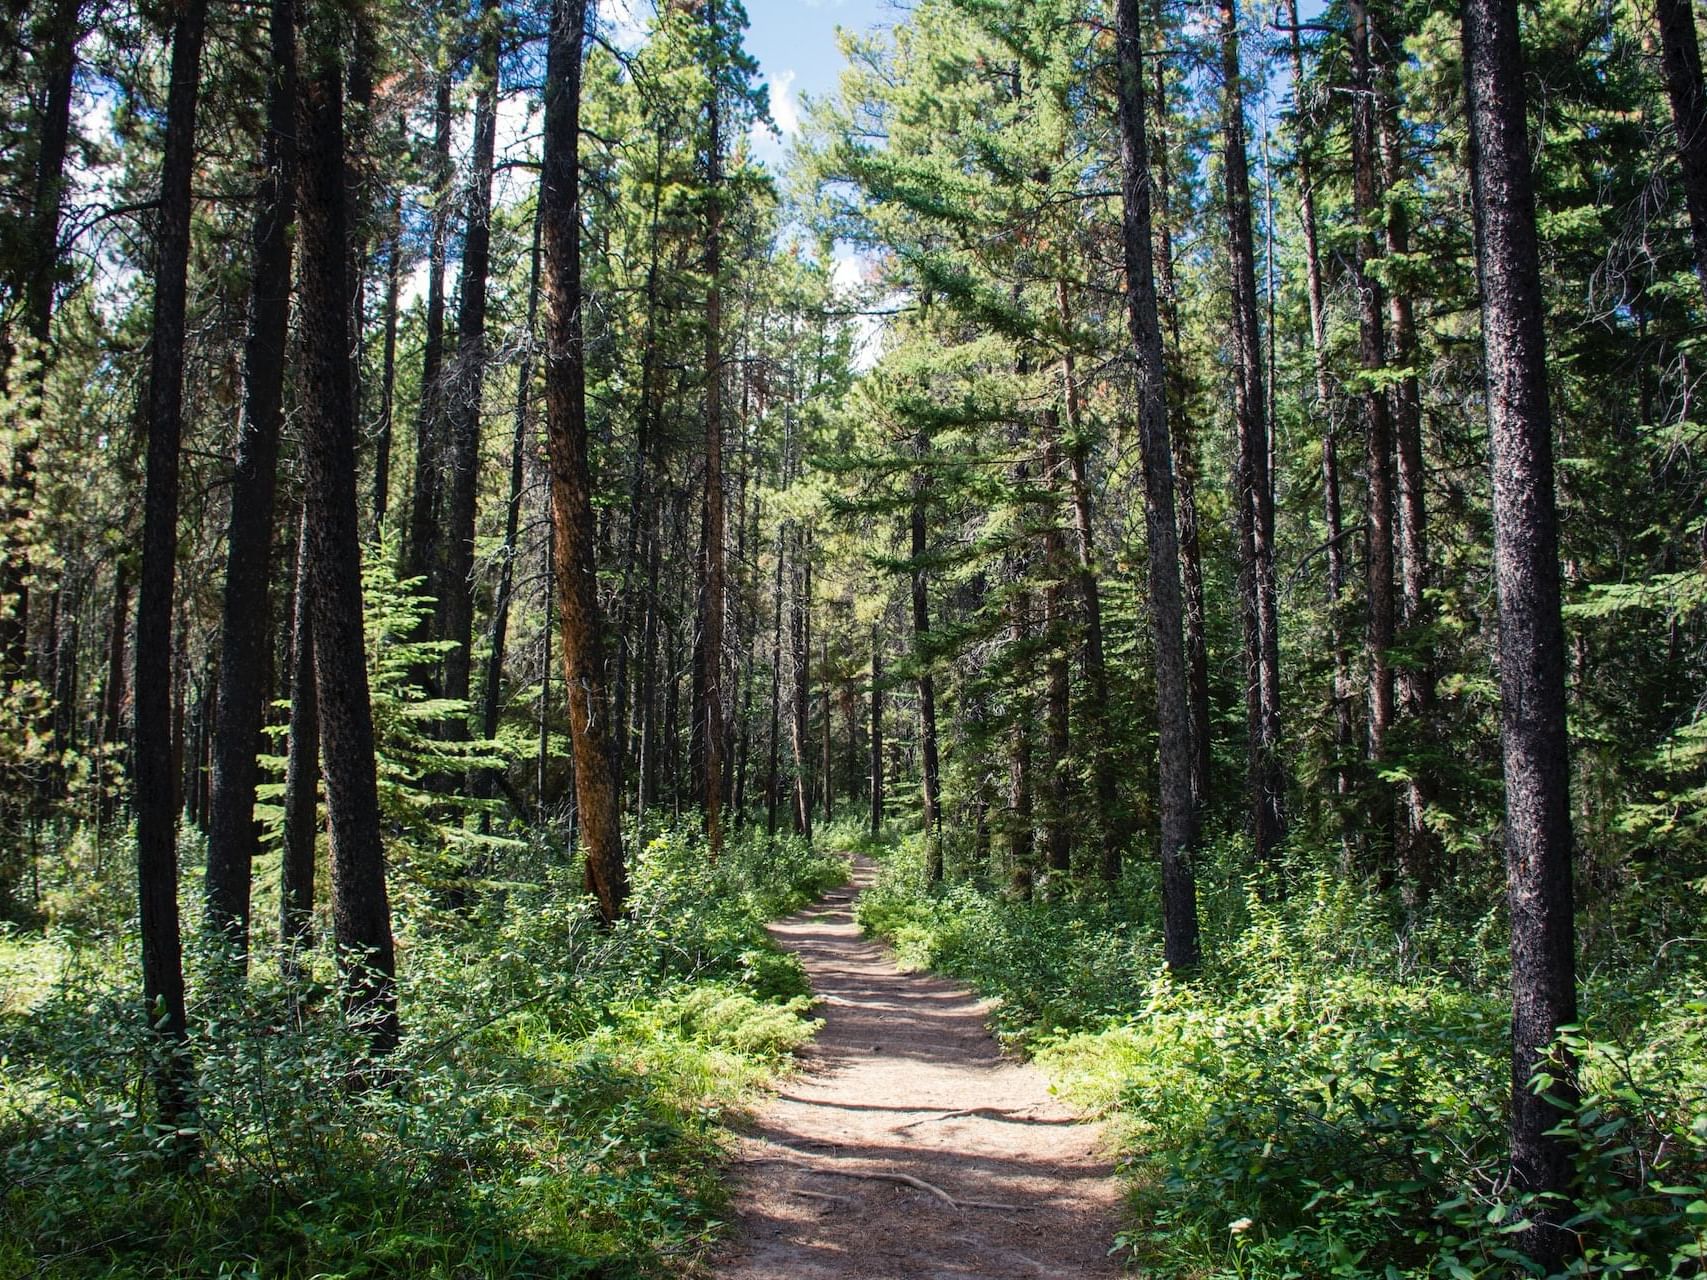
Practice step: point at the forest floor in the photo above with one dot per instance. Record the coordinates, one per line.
(905, 1103)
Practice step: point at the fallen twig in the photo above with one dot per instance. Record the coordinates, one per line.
(905, 1179)
(955, 1115)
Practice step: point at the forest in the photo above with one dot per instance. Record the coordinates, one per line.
(1206, 496)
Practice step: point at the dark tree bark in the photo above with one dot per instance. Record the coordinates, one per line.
(112, 713)
(827, 766)
(1178, 806)
(876, 732)
(1057, 833)
(711, 624)
(302, 778)
(454, 587)
(597, 802)
(420, 552)
(1531, 633)
(153, 777)
(1184, 456)
(1378, 440)
(1115, 819)
(493, 684)
(245, 624)
(800, 637)
(361, 908)
(1022, 852)
(930, 775)
(1418, 848)
(773, 787)
(1252, 485)
(1325, 409)
(57, 56)
(1680, 60)
(388, 369)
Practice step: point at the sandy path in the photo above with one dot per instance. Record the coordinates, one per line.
(899, 1056)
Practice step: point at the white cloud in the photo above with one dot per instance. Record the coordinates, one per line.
(784, 109)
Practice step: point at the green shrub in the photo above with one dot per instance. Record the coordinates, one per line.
(554, 1110)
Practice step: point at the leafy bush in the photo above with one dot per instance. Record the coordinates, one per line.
(555, 1108)
(1327, 1096)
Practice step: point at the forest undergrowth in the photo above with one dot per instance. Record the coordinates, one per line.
(557, 1107)
(1326, 1096)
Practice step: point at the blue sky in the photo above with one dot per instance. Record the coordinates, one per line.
(795, 43)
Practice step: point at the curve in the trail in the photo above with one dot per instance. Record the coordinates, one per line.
(904, 1104)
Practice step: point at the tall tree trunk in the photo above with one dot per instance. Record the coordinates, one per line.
(1378, 440)
(388, 369)
(111, 728)
(929, 776)
(1344, 745)
(245, 625)
(876, 734)
(1534, 744)
(1680, 60)
(1184, 456)
(1116, 821)
(1179, 810)
(1253, 486)
(153, 781)
(361, 909)
(800, 623)
(711, 630)
(597, 802)
(454, 588)
(1057, 834)
(772, 783)
(828, 765)
(302, 777)
(646, 772)
(1022, 853)
(1418, 848)
(57, 56)
(492, 686)
(420, 552)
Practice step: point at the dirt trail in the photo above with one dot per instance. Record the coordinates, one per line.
(904, 1082)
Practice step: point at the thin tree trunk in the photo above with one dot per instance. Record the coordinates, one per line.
(57, 56)
(388, 369)
(245, 626)
(876, 734)
(455, 590)
(420, 552)
(361, 908)
(800, 625)
(929, 777)
(1534, 743)
(711, 631)
(1184, 456)
(1253, 486)
(828, 768)
(772, 784)
(1111, 813)
(493, 685)
(302, 778)
(1057, 834)
(1378, 441)
(1418, 850)
(151, 761)
(1178, 806)
(1022, 853)
(1680, 60)
(597, 803)
(1305, 160)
